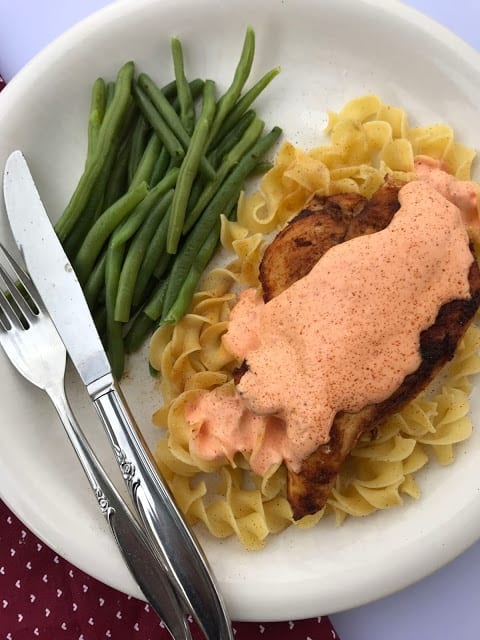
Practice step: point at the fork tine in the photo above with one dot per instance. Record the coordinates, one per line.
(20, 306)
(5, 324)
(9, 314)
(23, 278)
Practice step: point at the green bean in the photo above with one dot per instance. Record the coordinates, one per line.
(99, 97)
(170, 90)
(230, 140)
(108, 131)
(184, 93)
(103, 227)
(243, 104)
(171, 118)
(196, 87)
(106, 189)
(114, 330)
(99, 199)
(185, 295)
(77, 235)
(146, 165)
(95, 282)
(138, 331)
(94, 124)
(97, 113)
(139, 142)
(115, 164)
(128, 227)
(134, 258)
(261, 168)
(187, 289)
(232, 158)
(161, 166)
(117, 180)
(153, 255)
(159, 125)
(154, 307)
(217, 205)
(242, 71)
(110, 94)
(152, 371)
(197, 187)
(189, 167)
(162, 265)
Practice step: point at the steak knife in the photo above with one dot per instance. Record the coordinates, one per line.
(58, 286)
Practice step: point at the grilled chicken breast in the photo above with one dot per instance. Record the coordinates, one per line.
(327, 221)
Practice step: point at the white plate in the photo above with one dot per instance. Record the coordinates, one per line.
(330, 51)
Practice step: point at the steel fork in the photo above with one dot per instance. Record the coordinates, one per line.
(31, 342)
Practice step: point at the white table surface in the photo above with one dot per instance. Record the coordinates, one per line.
(443, 606)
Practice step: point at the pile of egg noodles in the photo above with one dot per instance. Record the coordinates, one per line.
(368, 141)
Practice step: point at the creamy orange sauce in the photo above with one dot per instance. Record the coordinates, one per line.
(344, 336)
(237, 429)
(462, 193)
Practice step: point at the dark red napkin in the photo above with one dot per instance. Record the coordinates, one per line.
(44, 597)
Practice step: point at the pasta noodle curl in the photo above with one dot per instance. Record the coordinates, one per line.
(369, 140)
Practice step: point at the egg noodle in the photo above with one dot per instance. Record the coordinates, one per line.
(369, 140)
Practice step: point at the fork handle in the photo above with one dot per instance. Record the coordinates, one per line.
(145, 566)
(159, 514)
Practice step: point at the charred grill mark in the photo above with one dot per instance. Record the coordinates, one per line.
(302, 242)
(239, 371)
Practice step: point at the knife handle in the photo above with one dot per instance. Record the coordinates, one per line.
(149, 573)
(159, 514)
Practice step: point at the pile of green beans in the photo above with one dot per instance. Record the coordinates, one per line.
(162, 166)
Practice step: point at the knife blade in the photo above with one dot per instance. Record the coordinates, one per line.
(58, 286)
